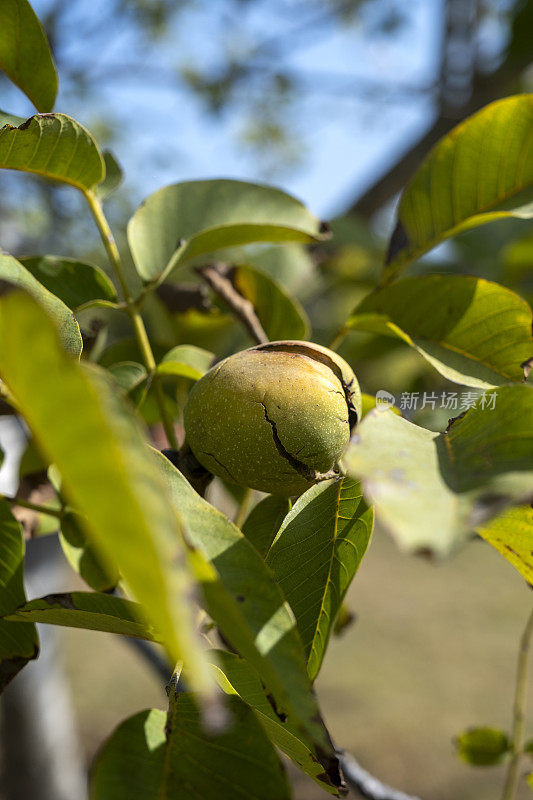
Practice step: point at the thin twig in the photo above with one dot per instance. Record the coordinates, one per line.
(150, 655)
(363, 782)
(519, 713)
(217, 276)
(40, 509)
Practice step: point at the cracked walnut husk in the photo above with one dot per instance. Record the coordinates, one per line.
(275, 417)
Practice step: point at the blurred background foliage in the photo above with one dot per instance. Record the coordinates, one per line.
(337, 101)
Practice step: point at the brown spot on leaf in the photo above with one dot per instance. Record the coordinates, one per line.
(63, 600)
(25, 125)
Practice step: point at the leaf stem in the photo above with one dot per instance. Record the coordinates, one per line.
(59, 513)
(133, 312)
(337, 339)
(519, 713)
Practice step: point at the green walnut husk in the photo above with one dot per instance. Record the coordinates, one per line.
(276, 417)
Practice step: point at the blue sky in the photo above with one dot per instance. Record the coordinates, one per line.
(347, 140)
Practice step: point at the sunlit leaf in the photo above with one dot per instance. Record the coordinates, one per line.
(74, 282)
(186, 361)
(55, 147)
(186, 220)
(236, 676)
(17, 274)
(90, 610)
(430, 489)
(249, 608)
(264, 520)
(25, 55)
(18, 643)
(481, 171)
(315, 556)
(108, 473)
(512, 535)
(474, 332)
(174, 757)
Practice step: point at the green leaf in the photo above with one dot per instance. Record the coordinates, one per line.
(128, 374)
(431, 489)
(25, 55)
(481, 171)
(113, 176)
(247, 605)
(186, 220)
(15, 273)
(236, 676)
(89, 610)
(474, 332)
(174, 757)
(55, 147)
(264, 520)
(74, 282)
(512, 535)
(315, 556)
(483, 747)
(10, 119)
(108, 473)
(18, 643)
(100, 574)
(186, 361)
(281, 315)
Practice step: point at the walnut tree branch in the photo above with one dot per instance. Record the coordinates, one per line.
(217, 276)
(365, 784)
